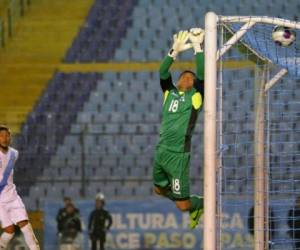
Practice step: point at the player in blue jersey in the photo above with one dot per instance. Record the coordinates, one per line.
(12, 209)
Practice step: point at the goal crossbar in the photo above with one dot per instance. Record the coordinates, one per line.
(263, 19)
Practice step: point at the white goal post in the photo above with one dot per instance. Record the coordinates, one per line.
(262, 84)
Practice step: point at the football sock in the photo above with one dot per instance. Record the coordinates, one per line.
(5, 239)
(30, 238)
(196, 202)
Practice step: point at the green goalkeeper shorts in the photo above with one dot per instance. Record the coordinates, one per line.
(171, 169)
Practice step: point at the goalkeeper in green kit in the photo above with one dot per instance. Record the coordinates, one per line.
(181, 106)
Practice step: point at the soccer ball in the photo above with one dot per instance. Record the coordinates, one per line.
(283, 36)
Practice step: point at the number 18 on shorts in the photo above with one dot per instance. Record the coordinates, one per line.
(176, 186)
(171, 169)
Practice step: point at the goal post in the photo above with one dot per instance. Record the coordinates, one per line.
(259, 161)
(210, 138)
(239, 115)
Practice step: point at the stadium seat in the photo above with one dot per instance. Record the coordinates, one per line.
(142, 191)
(109, 191)
(135, 117)
(73, 190)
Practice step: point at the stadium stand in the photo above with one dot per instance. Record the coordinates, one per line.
(52, 118)
(104, 28)
(107, 124)
(29, 59)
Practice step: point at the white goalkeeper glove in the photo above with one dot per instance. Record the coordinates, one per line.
(197, 39)
(179, 43)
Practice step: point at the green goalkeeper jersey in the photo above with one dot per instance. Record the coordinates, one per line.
(180, 109)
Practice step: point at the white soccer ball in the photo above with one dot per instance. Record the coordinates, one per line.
(283, 36)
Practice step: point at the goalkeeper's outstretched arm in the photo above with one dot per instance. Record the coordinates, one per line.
(164, 74)
(179, 44)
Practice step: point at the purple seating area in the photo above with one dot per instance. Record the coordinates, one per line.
(105, 26)
(49, 122)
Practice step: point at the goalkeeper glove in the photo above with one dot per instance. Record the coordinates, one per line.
(197, 39)
(179, 43)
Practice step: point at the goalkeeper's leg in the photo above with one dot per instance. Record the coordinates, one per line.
(194, 204)
(171, 180)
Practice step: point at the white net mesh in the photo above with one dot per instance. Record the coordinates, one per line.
(259, 37)
(258, 130)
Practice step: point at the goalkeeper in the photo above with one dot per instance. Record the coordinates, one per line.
(181, 106)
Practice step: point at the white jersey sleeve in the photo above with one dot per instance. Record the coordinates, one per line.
(7, 187)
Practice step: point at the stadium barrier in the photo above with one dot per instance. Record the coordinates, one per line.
(8, 18)
(151, 224)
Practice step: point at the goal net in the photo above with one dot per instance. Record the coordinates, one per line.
(251, 135)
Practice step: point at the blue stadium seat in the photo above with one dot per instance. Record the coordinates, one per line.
(125, 191)
(36, 192)
(89, 107)
(101, 118)
(95, 128)
(129, 128)
(142, 191)
(154, 55)
(73, 191)
(122, 55)
(137, 55)
(109, 162)
(135, 117)
(54, 192)
(84, 117)
(109, 191)
(120, 171)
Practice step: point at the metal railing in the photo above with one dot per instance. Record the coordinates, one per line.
(9, 18)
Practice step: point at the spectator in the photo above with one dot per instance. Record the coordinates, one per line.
(70, 228)
(294, 223)
(68, 223)
(62, 213)
(271, 225)
(99, 222)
